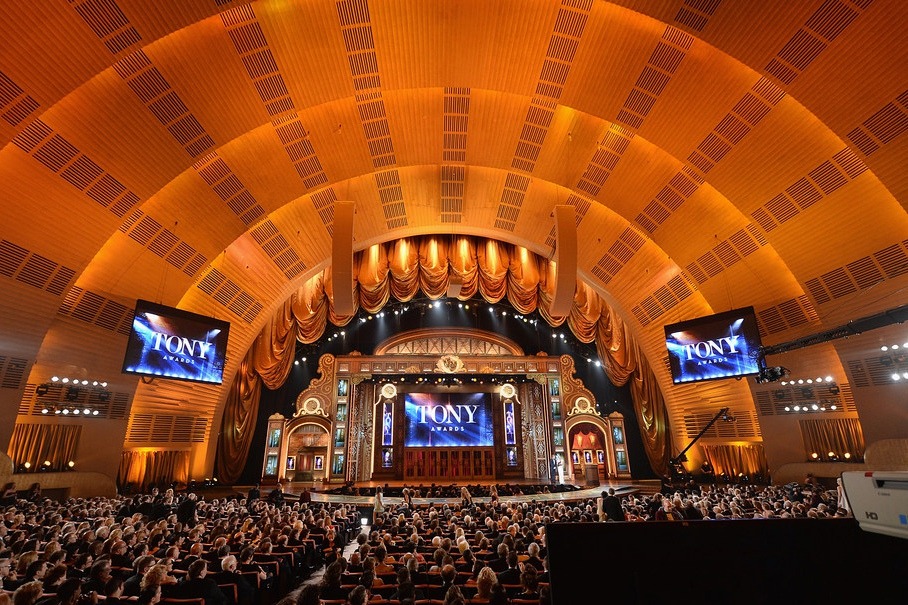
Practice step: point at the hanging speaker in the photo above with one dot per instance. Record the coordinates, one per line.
(565, 261)
(342, 258)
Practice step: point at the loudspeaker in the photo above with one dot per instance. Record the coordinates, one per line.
(455, 283)
(565, 261)
(342, 258)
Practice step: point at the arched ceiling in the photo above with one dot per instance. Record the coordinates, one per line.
(719, 154)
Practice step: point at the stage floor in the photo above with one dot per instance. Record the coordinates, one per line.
(583, 493)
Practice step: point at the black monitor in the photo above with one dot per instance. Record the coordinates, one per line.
(170, 343)
(724, 345)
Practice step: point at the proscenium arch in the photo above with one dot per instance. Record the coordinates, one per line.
(87, 102)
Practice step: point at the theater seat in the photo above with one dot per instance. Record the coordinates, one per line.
(175, 601)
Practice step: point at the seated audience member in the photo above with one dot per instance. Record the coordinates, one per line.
(330, 586)
(484, 583)
(53, 578)
(308, 595)
(545, 596)
(454, 597)
(499, 596)
(530, 583)
(132, 584)
(512, 574)
(27, 594)
(245, 591)
(149, 596)
(113, 592)
(67, 593)
(358, 596)
(407, 593)
(198, 585)
(448, 575)
(533, 557)
(157, 576)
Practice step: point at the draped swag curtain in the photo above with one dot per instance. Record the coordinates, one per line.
(733, 460)
(37, 443)
(837, 436)
(401, 269)
(142, 468)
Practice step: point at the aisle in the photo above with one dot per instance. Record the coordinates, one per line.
(351, 546)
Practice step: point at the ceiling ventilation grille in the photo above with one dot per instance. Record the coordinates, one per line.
(226, 292)
(323, 202)
(745, 425)
(860, 274)
(162, 101)
(605, 158)
(12, 371)
(788, 314)
(391, 196)
(823, 26)
(278, 249)
(356, 28)
(619, 254)
(515, 188)
(663, 299)
(456, 119)
(679, 188)
(695, 14)
(662, 64)
(61, 157)
(166, 428)
(33, 269)
(261, 67)
(97, 310)
(453, 178)
(532, 135)
(15, 105)
(149, 233)
(569, 25)
(826, 178)
(108, 22)
(228, 187)
(882, 127)
(452, 190)
(730, 131)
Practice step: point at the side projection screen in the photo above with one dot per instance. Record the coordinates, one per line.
(170, 343)
(448, 420)
(725, 345)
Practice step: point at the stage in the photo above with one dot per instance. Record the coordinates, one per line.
(294, 489)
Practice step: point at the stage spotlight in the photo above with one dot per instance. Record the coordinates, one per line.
(72, 393)
(70, 464)
(27, 465)
(42, 389)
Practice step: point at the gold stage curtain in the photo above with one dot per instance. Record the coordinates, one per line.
(734, 460)
(838, 435)
(400, 270)
(37, 443)
(142, 468)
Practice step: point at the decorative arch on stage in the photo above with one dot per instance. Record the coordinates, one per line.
(401, 269)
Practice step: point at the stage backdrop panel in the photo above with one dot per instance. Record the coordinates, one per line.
(448, 420)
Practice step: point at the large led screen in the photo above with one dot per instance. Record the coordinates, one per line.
(448, 420)
(170, 343)
(724, 345)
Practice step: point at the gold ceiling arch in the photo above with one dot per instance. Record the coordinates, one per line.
(754, 153)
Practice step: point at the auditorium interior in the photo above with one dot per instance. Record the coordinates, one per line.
(380, 205)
